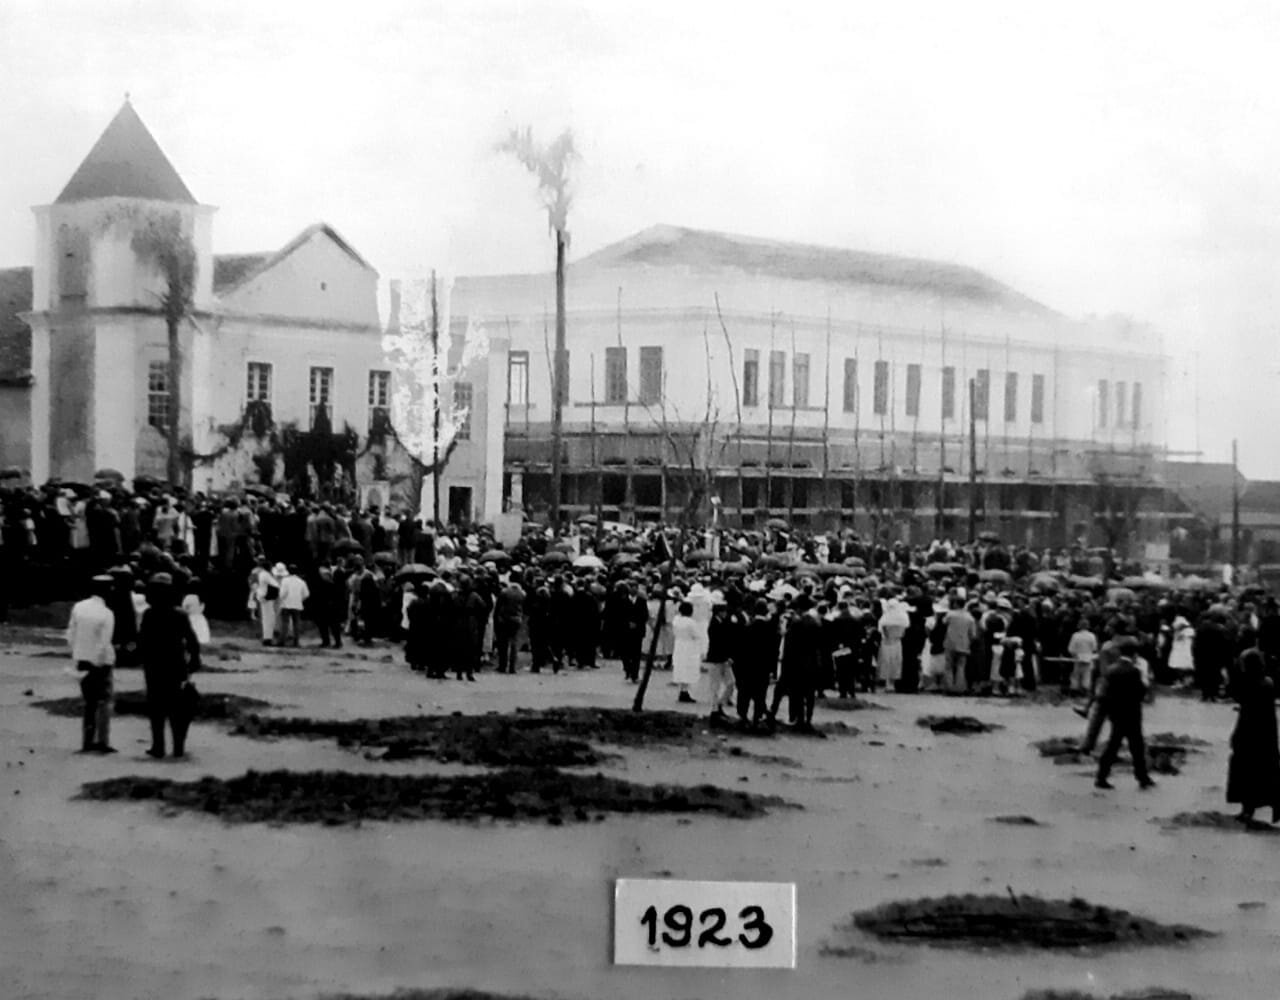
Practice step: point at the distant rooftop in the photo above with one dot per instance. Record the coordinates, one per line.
(126, 162)
(674, 246)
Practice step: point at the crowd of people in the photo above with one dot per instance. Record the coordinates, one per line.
(743, 619)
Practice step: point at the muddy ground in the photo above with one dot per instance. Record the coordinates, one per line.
(115, 900)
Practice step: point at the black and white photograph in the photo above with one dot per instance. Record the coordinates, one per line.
(554, 500)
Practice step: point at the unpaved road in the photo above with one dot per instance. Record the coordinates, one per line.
(113, 900)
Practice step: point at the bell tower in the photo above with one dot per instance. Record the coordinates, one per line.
(98, 400)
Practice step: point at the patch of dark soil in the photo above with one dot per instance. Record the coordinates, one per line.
(961, 725)
(1015, 922)
(1166, 752)
(1017, 820)
(341, 797)
(854, 704)
(212, 707)
(1209, 820)
(1150, 993)
(441, 994)
(560, 737)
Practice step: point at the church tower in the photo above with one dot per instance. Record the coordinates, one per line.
(98, 340)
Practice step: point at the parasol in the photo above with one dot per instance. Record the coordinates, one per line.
(1117, 595)
(939, 569)
(554, 559)
(1046, 583)
(495, 556)
(348, 546)
(588, 562)
(414, 571)
(994, 576)
(778, 524)
(700, 556)
(835, 569)
(989, 536)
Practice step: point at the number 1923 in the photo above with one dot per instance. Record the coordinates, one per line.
(678, 922)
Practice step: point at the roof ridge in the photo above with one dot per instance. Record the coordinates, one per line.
(126, 162)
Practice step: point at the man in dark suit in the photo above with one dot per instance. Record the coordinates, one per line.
(169, 651)
(1124, 689)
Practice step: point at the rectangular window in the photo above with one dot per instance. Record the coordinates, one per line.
(1010, 397)
(948, 393)
(158, 395)
(1104, 401)
(751, 377)
(777, 378)
(518, 378)
(981, 393)
(1120, 404)
(913, 390)
(379, 396)
(1136, 408)
(881, 398)
(615, 374)
(321, 393)
(1037, 399)
(650, 374)
(850, 385)
(800, 381)
(259, 387)
(462, 396)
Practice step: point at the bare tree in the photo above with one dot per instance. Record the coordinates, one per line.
(163, 242)
(551, 165)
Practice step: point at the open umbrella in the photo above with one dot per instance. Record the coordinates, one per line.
(109, 474)
(258, 490)
(495, 556)
(1046, 583)
(1193, 583)
(939, 569)
(776, 562)
(588, 562)
(778, 524)
(348, 546)
(633, 549)
(414, 571)
(1144, 583)
(699, 556)
(385, 558)
(1118, 595)
(989, 536)
(856, 561)
(994, 576)
(588, 519)
(835, 569)
(13, 472)
(1085, 582)
(732, 568)
(554, 559)
(624, 559)
(808, 569)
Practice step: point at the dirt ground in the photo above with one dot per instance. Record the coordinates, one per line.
(113, 900)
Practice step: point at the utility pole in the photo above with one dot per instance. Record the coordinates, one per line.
(435, 406)
(973, 465)
(1235, 514)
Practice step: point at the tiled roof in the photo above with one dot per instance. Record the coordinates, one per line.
(674, 246)
(126, 162)
(232, 270)
(15, 335)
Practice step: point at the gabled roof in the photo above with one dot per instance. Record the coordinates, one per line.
(15, 335)
(1261, 495)
(1205, 487)
(675, 246)
(230, 271)
(126, 162)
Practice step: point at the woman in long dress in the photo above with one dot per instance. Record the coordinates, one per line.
(893, 626)
(686, 656)
(1181, 665)
(194, 608)
(1253, 774)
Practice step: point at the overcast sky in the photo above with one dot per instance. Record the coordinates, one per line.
(1101, 157)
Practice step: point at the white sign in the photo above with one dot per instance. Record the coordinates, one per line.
(707, 924)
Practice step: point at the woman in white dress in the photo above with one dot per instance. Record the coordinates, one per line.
(893, 626)
(686, 656)
(1180, 662)
(194, 608)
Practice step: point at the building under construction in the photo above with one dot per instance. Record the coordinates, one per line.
(714, 376)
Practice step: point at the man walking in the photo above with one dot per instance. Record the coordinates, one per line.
(293, 596)
(89, 636)
(962, 630)
(1123, 692)
(724, 642)
(507, 612)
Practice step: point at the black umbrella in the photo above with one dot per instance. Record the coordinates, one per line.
(989, 536)
(495, 556)
(778, 524)
(414, 571)
(348, 546)
(554, 559)
(698, 557)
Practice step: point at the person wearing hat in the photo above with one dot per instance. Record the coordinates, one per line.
(801, 668)
(266, 598)
(170, 651)
(1123, 693)
(724, 644)
(293, 597)
(686, 655)
(89, 634)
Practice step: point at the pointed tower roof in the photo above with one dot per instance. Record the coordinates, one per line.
(126, 162)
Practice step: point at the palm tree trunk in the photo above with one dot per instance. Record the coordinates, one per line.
(559, 389)
(174, 375)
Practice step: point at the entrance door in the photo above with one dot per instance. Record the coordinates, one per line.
(459, 504)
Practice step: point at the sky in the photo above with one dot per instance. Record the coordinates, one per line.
(1100, 157)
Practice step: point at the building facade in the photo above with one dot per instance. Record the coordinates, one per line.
(278, 349)
(761, 379)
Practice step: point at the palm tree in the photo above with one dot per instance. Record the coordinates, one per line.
(551, 165)
(163, 242)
